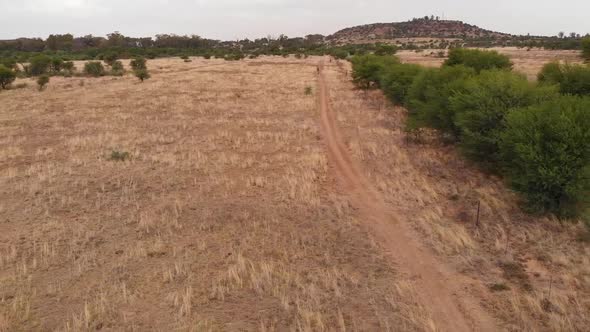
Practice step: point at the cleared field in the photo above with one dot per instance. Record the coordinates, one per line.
(527, 62)
(222, 217)
(234, 210)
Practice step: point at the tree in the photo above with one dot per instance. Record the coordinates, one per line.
(586, 49)
(7, 76)
(546, 154)
(59, 42)
(42, 81)
(561, 34)
(142, 74)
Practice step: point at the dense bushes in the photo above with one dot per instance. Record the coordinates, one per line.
(546, 150)
(428, 97)
(478, 59)
(537, 138)
(7, 76)
(481, 107)
(385, 49)
(367, 68)
(571, 79)
(396, 80)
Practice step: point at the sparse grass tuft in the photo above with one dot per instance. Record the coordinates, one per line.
(119, 155)
(499, 287)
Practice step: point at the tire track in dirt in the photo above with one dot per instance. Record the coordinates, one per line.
(438, 287)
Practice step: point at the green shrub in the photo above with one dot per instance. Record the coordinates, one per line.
(42, 81)
(385, 49)
(207, 56)
(94, 68)
(339, 53)
(395, 80)
(119, 155)
(480, 110)
(138, 64)
(9, 63)
(551, 73)
(142, 74)
(478, 59)
(56, 64)
(117, 68)
(236, 56)
(7, 76)
(546, 153)
(428, 97)
(69, 66)
(308, 90)
(366, 69)
(586, 49)
(571, 79)
(39, 65)
(110, 57)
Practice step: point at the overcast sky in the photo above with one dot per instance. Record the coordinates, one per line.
(232, 19)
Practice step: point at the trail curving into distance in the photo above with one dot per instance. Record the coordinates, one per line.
(438, 287)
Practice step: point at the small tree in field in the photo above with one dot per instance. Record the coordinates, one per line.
(110, 58)
(94, 68)
(142, 74)
(69, 66)
(7, 76)
(39, 65)
(42, 81)
(586, 49)
(56, 65)
(117, 68)
(138, 63)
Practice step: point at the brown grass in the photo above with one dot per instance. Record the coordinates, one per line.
(225, 216)
(221, 218)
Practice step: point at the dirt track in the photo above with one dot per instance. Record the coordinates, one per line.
(437, 286)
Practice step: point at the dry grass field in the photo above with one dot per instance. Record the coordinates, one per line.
(528, 62)
(208, 199)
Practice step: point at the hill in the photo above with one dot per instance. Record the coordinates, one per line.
(416, 28)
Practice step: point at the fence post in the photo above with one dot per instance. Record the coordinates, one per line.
(477, 220)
